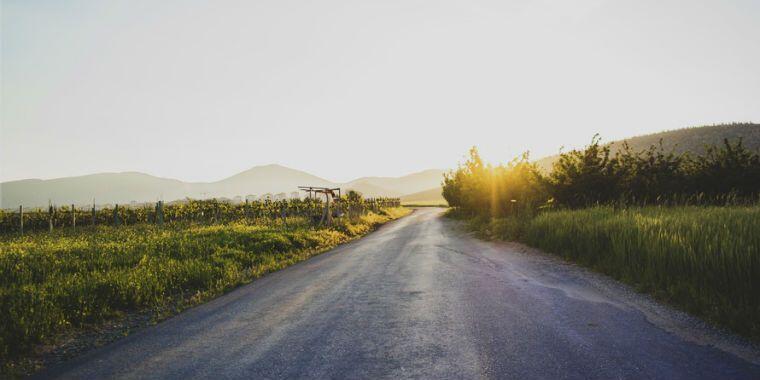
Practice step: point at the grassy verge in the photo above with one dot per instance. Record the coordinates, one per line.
(51, 283)
(705, 260)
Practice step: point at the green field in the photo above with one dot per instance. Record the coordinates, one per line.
(53, 282)
(705, 260)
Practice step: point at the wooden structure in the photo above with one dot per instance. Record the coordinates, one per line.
(329, 194)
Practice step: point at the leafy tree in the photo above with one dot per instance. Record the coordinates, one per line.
(584, 177)
(502, 190)
(730, 170)
(595, 175)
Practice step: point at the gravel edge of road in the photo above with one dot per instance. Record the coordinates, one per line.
(663, 315)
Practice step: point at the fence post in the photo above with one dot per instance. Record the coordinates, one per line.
(116, 220)
(73, 216)
(160, 213)
(21, 219)
(327, 215)
(50, 217)
(93, 213)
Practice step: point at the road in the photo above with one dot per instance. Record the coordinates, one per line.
(420, 298)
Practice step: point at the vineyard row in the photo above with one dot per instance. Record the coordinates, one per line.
(201, 211)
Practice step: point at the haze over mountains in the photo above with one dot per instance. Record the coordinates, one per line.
(123, 188)
(422, 187)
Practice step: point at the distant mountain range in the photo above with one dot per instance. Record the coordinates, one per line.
(432, 196)
(123, 188)
(423, 187)
(693, 140)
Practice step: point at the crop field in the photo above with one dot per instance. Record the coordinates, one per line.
(189, 210)
(51, 282)
(705, 260)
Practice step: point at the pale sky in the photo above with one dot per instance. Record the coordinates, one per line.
(200, 90)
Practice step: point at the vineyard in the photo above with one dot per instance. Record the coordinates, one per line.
(196, 211)
(162, 258)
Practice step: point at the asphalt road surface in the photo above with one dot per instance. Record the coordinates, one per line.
(420, 298)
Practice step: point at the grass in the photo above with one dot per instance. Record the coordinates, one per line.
(705, 260)
(50, 283)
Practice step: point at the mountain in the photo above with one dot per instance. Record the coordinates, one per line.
(123, 188)
(693, 139)
(260, 180)
(407, 184)
(102, 188)
(369, 190)
(432, 196)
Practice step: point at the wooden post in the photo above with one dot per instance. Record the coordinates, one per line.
(94, 213)
(116, 220)
(160, 213)
(327, 217)
(21, 219)
(73, 216)
(50, 216)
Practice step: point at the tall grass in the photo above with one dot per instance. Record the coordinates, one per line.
(705, 260)
(51, 282)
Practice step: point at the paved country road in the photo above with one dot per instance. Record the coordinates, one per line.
(419, 298)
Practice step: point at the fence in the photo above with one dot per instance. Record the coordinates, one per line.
(201, 211)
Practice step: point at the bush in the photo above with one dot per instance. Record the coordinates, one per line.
(724, 175)
(502, 190)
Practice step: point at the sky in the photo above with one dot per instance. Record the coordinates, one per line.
(201, 90)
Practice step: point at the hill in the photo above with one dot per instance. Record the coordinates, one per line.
(123, 188)
(369, 190)
(407, 184)
(693, 139)
(264, 179)
(432, 196)
(102, 188)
